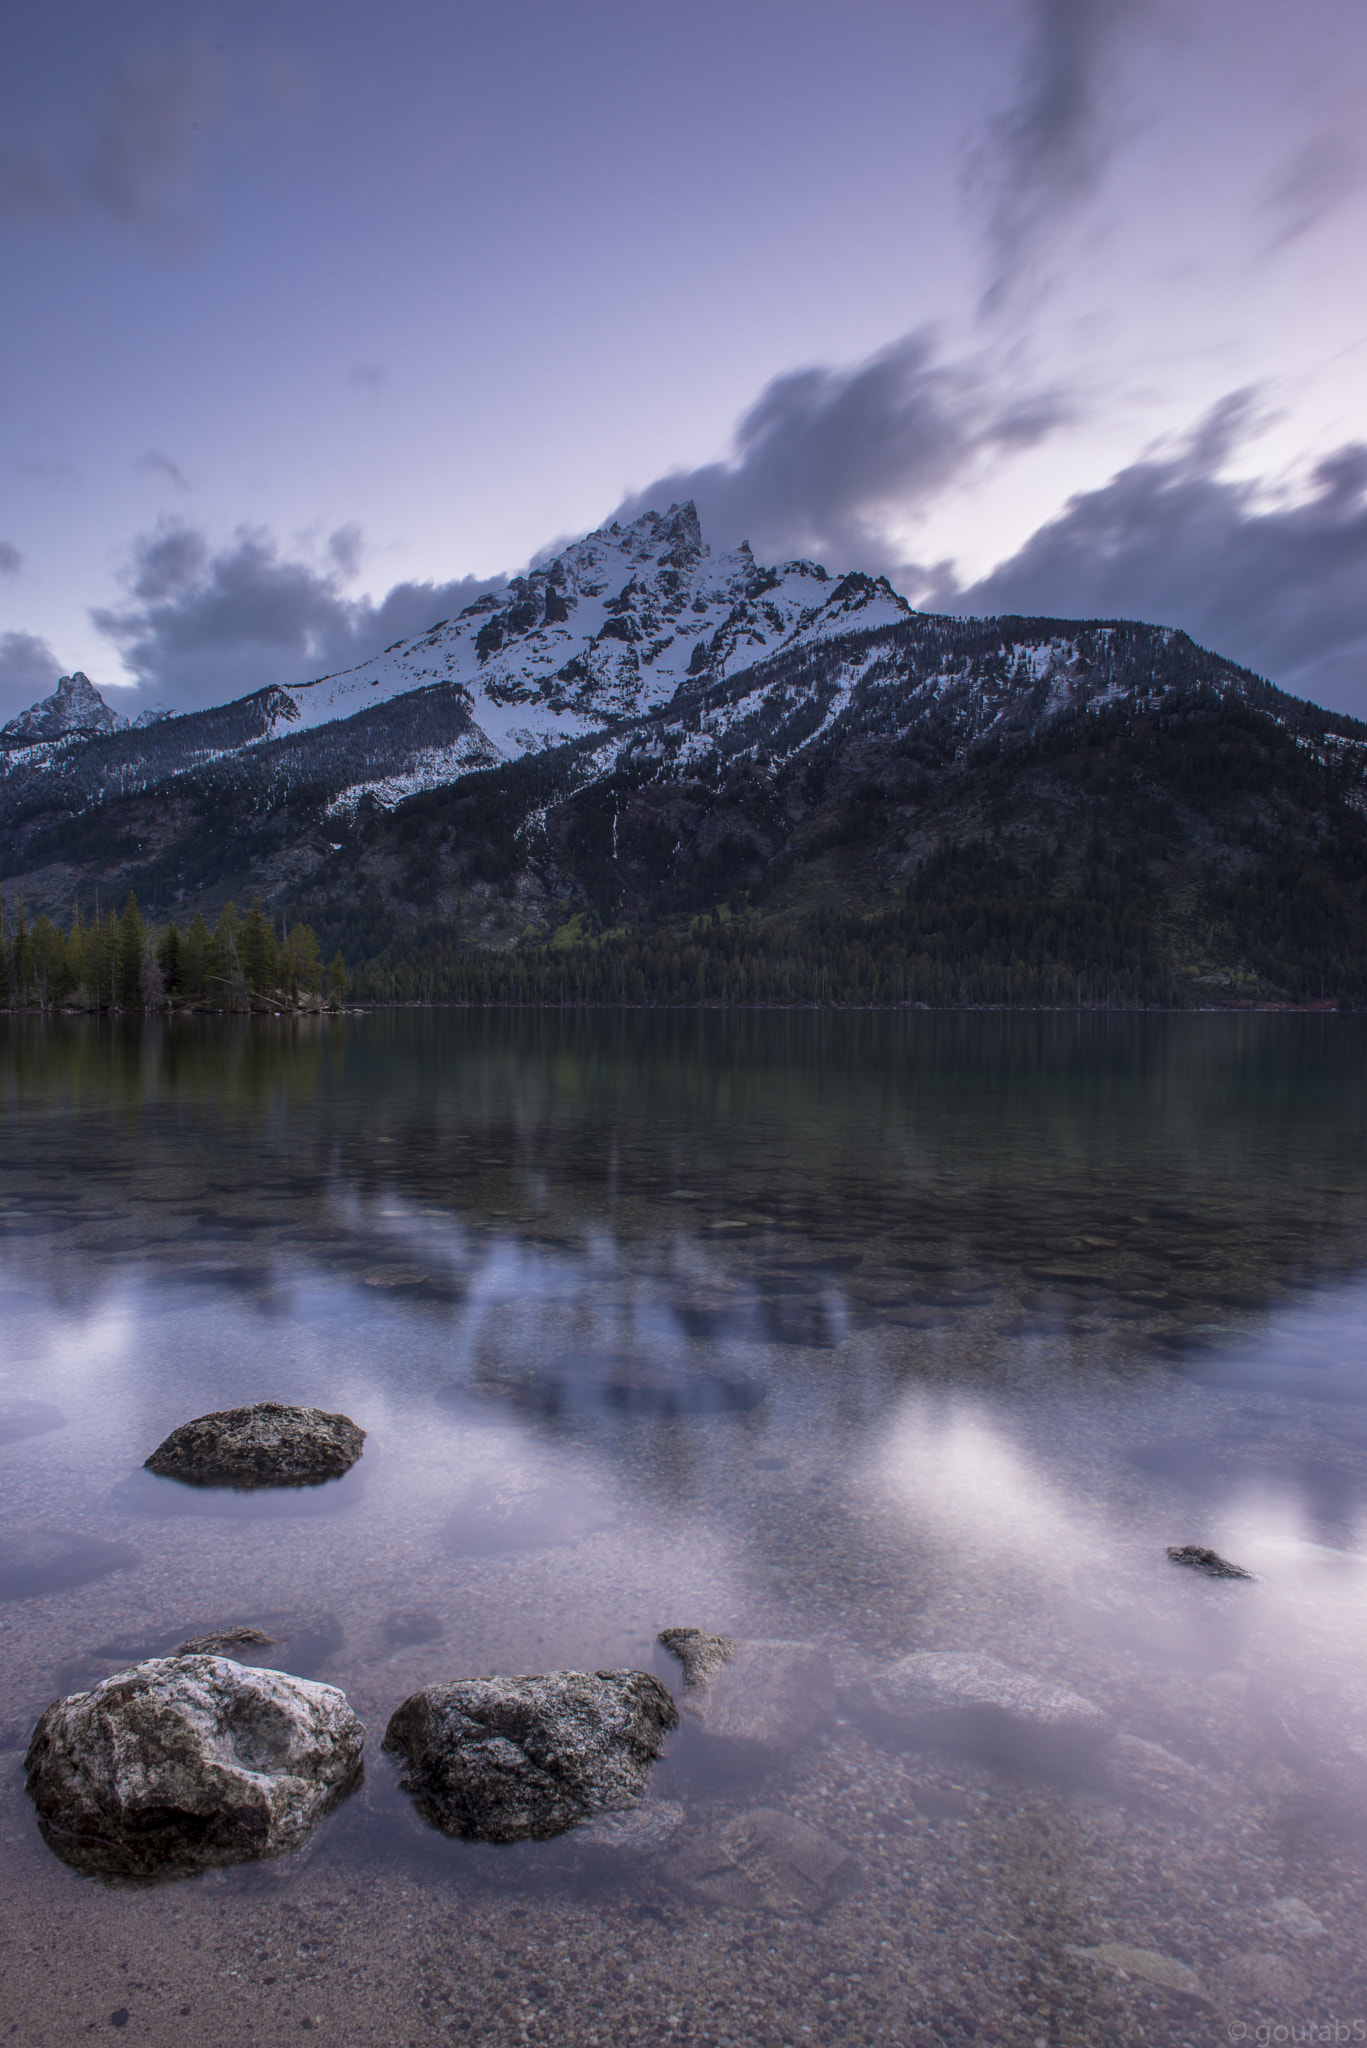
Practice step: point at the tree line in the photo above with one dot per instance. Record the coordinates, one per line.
(125, 962)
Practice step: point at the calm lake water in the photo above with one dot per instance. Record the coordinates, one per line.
(886, 1334)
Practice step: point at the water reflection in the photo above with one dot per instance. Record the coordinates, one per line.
(893, 1336)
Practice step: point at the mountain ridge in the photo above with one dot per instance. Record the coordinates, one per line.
(637, 730)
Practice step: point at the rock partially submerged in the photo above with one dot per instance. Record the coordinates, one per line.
(519, 1759)
(188, 1763)
(765, 1862)
(271, 1444)
(1208, 1562)
(752, 1696)
(962, 1698)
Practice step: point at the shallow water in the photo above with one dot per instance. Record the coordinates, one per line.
(887, 1334)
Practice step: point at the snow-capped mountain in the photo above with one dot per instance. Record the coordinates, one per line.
(75, 707)
(643, 726)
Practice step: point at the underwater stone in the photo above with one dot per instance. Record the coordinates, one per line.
(188, 1763)
(937, 1695)
(753, 1694)
(766, 1862)
(270, 1444)
(518, 1759)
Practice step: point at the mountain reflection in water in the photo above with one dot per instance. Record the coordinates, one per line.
(891, 1335)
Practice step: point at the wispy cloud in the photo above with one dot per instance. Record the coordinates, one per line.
(1326, 170)
(154, 463)
(11, 561)
(201, 625)
(1276, 580)
(133, 161)
(827, 461)
(1045, 153)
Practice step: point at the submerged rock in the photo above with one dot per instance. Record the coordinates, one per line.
(518, 1759)
(1210, 1562)
(765, 1862)
(1146, 1774)
(752, 1695)
(188, 1763)
(222, 1642)
(959, 1696)
(270, 1444)
(1150, 1965)
(645, 1830)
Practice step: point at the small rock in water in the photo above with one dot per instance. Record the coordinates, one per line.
(644, 1831)
(765, 1862)
(1294, 1917)
(270, 1444)
(1149, 1965)
(1150, 1775)
(518, 1759)
(221, 1642)
(1266, 1981)
(183, 1764)
(752, 1695)
(958, 1696)
(1197, 1559)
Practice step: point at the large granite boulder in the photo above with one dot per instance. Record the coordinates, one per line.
(187, 1763)
(518, 1759)
(961, 1697)
(270, 1444)
(752, 1697)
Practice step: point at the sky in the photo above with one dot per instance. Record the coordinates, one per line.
(319, 320)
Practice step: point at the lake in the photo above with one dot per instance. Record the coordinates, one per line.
(882, 1334)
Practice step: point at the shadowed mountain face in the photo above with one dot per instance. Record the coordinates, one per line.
(639, 730)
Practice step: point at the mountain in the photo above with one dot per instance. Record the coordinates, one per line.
(639, 731)
(75, 708)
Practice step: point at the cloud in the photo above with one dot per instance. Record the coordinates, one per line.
(827, 461)
(11, 561)
(28, 671)
(371, 377)
(1050, 146)
(1314, 182)
(202, 625)
(1277, 582)
(135, 157)
(154, 463)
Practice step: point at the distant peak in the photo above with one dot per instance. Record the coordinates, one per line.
(75, 706)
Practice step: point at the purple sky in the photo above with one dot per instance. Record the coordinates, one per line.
(317, 316)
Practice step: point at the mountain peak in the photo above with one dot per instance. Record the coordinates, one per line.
(75, 706)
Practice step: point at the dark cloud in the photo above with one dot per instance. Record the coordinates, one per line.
(28, 671)
(825, 460)
(201, 626)
(154, 463)
(1322, 174)
(1277, 583)
(134, 156)
(1047, 150)
(11, 561)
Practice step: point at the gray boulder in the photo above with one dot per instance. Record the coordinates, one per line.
(752, 1696)
(518, 1759)
(960, 1697)
(188, 1763)
(765, 1862)
(270, 1444)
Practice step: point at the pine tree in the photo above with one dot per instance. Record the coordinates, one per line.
(223, 969)
(168, 960)
(258, 953)
(6, 984)
(196, 951)
(21, 956)
(337, 982)
(132, 935)
(303, 965)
